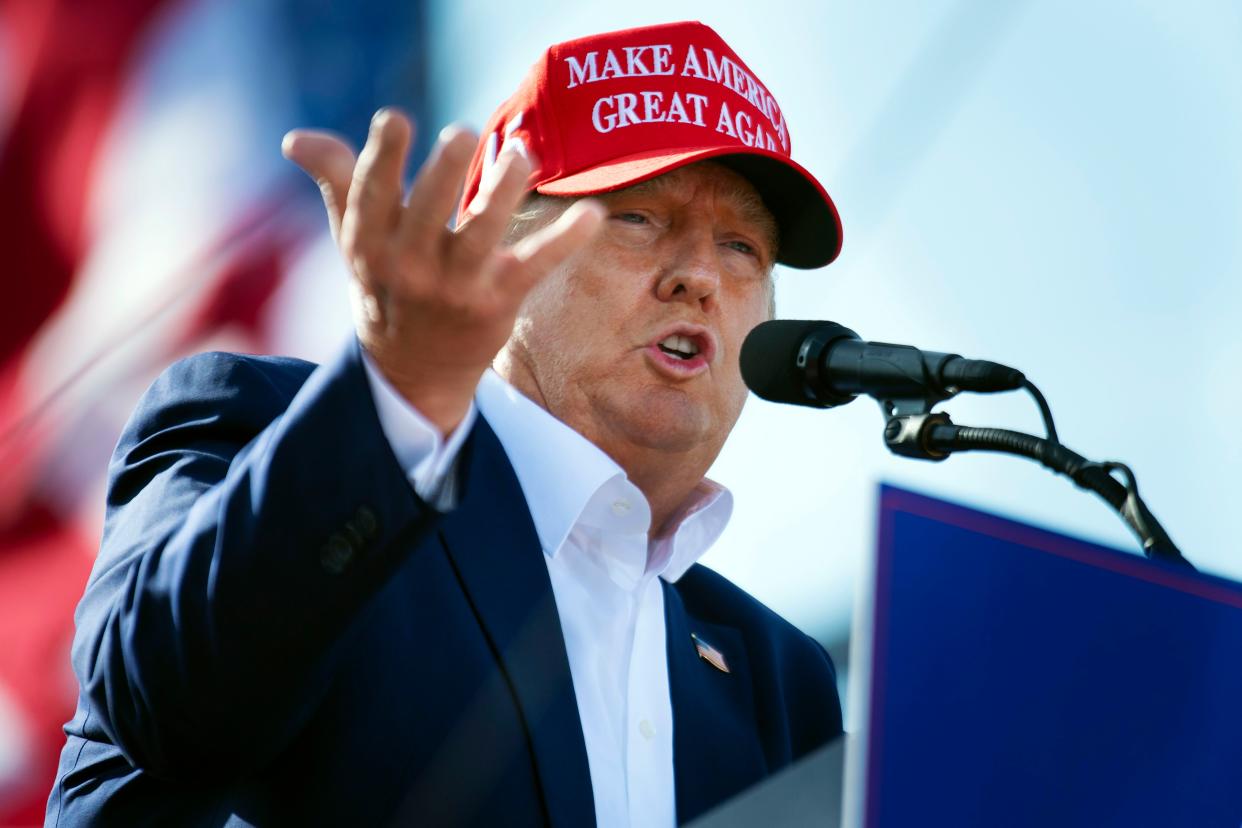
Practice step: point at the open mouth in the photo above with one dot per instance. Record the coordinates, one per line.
(681, 347)
(683, 352)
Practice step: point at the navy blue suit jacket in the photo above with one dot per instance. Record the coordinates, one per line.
(279, 631)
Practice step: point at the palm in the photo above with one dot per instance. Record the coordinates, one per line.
(433, 305)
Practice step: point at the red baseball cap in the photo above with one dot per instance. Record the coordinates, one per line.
(604, 112)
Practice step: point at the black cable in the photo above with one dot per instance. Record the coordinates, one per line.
(1131, 482)
(1134, 510)
(1044, 410)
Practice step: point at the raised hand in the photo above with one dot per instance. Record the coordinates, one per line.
(432, 306)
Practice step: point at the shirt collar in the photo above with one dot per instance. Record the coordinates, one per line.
(699, 521)
(564, 476)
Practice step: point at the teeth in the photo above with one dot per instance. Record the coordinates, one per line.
(682, 344)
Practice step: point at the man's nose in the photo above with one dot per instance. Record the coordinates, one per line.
(693, 273)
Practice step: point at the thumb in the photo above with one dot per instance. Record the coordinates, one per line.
(329, 161)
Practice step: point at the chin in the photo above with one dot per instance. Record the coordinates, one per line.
(665, 418)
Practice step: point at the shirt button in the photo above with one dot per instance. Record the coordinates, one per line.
(646, 728)
(620, 507)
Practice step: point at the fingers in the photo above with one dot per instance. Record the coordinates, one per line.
(493, 210)
(542, 251)
(374, 201)
(329, 161)
(433, 198)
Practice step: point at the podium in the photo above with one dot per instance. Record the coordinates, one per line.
(804, 795)
(1005, 675)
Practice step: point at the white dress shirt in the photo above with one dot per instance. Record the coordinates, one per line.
(593, 525)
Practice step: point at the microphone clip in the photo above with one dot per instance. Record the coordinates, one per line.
(909, 434)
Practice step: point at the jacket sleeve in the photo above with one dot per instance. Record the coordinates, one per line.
(249, 520)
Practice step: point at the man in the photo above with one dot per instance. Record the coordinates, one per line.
(401, 588)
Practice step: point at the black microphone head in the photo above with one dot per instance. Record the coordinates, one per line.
(778, 366)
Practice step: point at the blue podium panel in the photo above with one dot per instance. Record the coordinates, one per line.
(1022, 677)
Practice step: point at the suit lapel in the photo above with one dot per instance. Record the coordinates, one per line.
(495, 549)
(716, 750)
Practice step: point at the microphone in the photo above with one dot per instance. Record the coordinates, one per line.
(823, 364)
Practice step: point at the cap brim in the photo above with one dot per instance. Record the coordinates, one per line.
(809, 225)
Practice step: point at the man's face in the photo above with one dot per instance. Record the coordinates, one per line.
(634, 341)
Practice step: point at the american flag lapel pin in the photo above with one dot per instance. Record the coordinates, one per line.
(710, 654)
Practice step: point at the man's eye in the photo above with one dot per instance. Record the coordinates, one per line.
(742, 247)
(631, 218)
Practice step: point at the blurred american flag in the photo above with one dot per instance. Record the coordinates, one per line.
(146, 213)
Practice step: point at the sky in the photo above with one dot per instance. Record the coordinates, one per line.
(1051, 185)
